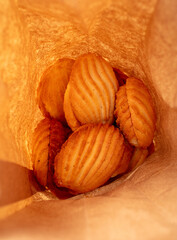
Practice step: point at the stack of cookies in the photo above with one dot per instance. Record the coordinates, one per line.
(99, 123)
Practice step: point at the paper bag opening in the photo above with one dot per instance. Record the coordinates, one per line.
(138, 38)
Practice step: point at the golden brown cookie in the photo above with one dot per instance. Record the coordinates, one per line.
(135, 113)
(53, 83)
(69, 114)
(89, 157)
(48, 137)
(139, 156)
(90, 92)
(125, 160)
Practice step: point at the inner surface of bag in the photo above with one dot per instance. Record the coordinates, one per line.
(138, 38)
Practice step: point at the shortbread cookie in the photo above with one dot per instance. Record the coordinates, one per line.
(135, 113)
(139, 156)
(125, 160)
(90, 95)
(50, 93)
(89, 157)
(48, 137)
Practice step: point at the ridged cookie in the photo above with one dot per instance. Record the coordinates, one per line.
(125, 160)
(135, 113)
(69, 114)
(48, 137)
(90, 92)
(50, 93)
(139, 156)
(89, 157)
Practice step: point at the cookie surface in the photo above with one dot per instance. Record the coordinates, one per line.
(40, 151)
(135, 113)
(91, 95)
(48, 137)
(139, 156)
(89, 157)
(125, 160)
(50, 93)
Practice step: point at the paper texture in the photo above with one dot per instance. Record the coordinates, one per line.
(139, 37)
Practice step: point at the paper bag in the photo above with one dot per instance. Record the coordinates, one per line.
(140, 38)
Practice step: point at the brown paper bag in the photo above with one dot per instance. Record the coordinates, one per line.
(139, 37)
